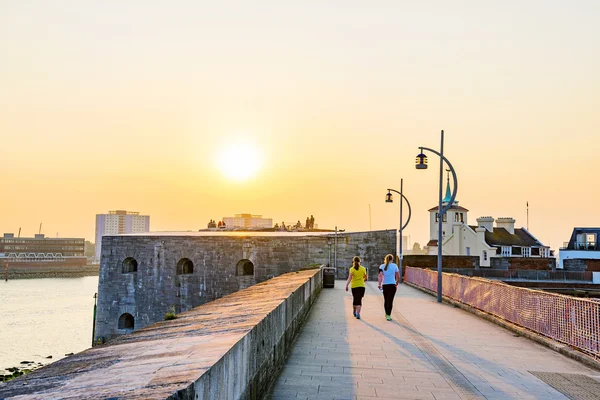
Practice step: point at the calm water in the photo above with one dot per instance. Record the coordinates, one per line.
(43, 317)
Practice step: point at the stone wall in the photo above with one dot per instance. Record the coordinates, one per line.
(231, 348)
(581, 264)
(148, 293)
(523, 263)
(16, 271)
(371, 247)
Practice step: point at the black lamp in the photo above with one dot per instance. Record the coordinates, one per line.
(388, 197)
(421, 161)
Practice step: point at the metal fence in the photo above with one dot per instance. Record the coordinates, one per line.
(567, 319)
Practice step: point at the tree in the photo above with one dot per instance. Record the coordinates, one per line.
(417, 248)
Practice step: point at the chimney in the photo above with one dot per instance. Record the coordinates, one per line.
(480, 234)
(486, 222)
(506, 223)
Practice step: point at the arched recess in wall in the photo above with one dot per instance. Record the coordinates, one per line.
(129, 265)
(185, 266)
(244, 268)
(126, 321)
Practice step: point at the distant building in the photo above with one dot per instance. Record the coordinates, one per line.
(248, 221)
(41, 250)
(484, 239)
(117, 223)
(582, 251)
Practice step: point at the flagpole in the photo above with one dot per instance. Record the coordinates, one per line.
(528, 216)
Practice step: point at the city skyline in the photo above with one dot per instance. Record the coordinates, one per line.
(135, 106)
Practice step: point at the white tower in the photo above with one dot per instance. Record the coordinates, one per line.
(455, 216)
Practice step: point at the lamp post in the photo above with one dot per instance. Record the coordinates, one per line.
(389, 199)
(422, 164)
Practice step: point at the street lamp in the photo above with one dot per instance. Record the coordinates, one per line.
(422, 164)
(390, 199)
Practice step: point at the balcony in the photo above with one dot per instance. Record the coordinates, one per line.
(589, 246)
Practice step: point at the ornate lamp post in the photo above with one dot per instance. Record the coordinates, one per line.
(389, 199)
(422, 164)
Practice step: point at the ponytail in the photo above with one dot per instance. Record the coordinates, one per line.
(387, 261)
(356, 263)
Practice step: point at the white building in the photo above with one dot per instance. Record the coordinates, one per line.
(582, 251)
(247, 221)
(484, 239)
(119, 222)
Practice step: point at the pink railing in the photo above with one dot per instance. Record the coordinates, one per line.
(567, 319)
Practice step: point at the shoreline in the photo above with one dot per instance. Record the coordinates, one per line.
(49, 272)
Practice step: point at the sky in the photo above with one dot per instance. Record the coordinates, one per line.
(134, 105)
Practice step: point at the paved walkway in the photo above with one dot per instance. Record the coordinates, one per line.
(429, 351)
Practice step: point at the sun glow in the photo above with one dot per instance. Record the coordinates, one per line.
(239, 161)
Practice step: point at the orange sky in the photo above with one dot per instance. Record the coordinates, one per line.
(125, 105)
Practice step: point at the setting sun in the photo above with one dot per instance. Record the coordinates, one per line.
(239, 161)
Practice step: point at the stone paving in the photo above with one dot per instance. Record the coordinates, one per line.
(429, 351)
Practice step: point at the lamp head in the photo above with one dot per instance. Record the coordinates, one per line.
(421, 162)
(389, 198)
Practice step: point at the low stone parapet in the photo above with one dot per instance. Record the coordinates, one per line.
(231, 348)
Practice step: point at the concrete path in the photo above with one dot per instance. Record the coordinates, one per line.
(429, 351)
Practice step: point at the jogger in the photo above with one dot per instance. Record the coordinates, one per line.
(389, 291)
(389, 276)
(357, 275)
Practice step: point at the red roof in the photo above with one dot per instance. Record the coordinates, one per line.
(432, 243)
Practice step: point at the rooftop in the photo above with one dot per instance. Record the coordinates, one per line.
(502, 237)
(454, 207)
(234, 234)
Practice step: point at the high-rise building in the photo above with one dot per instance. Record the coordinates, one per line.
(119, 222)
(248, 221)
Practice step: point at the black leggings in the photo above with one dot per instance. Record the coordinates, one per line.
(389, 291)
(358, 293)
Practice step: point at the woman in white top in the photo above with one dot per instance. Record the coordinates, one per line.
(389, 276)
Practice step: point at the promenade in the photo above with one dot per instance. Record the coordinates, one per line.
(429, 351)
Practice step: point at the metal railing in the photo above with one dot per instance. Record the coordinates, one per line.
(529, 275)
(566, 319)
(580, 246)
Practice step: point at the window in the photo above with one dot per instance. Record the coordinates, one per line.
(591, 241)
(129, 265)
(526, 251)
(244, 267)
(484, 255)
(444, 217)
(462, 217)
(185, 266)
(468, 251)
(126, 321)
(506, 251)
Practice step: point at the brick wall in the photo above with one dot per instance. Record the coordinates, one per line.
(429, 261)
(581, 264)
(523, 263)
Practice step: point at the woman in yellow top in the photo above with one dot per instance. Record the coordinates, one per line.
(357, 276)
